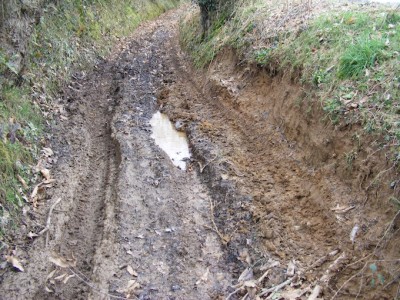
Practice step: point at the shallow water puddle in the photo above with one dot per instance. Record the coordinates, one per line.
(173, 142)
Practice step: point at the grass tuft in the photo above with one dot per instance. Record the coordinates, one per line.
(349, 57)
(359, 56)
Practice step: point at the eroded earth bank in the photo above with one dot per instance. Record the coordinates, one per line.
(263, 207)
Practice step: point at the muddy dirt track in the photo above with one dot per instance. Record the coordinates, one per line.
(132, 225)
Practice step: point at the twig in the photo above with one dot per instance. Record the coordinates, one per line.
(315, 292)
(274, 289)
(234, 292)
(348, 280)
(48, 222)
(242, 286)
(203, 167)
(259, 280)
(361, 272)
(223, 238)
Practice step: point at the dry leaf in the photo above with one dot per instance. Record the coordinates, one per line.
(46, 173)
(68, 278)
(31, 235)
(130, 288)
(15, 263)
(48, 181)
(131, 271)
(34, 192)
(204, 277)
(247, 274)
(290, 293)
(22, 181)
(291, 269)
(47, 152)
(51, 275)
(61, 262)
(342, 209)
(250, 284)
(61, 277)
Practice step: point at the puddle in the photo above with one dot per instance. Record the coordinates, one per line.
(173, 142)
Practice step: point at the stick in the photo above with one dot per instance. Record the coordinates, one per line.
(48, 222)
(224, 239)
(203, 167)
(276, 288)
(234, 292)
(315, 293)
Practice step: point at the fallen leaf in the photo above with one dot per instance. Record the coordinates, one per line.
(68, 278)
(250, 283)
(291, 293)
(31, 235)
(204, 277)
(61, 262)
(246, 275)
(131, 271)
(47, 152)
(22, 181)
(291, 269)
(51, 274)
(35, 191)
(15, 263)
(48, 181)
(353, 233)
(342, 209)
(61, 277)
(130, 288)
(46, 173)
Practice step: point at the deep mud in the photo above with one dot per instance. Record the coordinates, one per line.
(265, 187)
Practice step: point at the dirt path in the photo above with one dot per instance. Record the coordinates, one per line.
(123, 203)
(131, 225)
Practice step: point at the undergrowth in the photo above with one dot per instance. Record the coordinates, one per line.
(350, 58)
(70, 36)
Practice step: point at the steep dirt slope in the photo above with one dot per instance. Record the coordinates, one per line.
(254, 131)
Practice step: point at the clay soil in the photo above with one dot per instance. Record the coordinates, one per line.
(267, 191)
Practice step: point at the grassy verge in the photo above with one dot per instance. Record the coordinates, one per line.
(348, 57)
(70, 36)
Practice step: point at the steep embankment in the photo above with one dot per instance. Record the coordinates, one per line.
(322, 190)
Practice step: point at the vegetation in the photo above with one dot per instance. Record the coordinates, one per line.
(350, 59)
(213, 10)
(69, 36)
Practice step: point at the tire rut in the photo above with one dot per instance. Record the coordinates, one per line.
(123, 202)
(90, 220)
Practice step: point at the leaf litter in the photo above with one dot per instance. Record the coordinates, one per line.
(15, 263)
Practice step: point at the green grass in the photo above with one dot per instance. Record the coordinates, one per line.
(346, 58)
(70, 36)
(363, 54)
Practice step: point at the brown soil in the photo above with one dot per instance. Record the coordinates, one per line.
(268, 187)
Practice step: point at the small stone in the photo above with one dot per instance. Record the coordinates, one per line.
(175, 287)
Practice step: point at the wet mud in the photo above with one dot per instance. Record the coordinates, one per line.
(260, 192)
